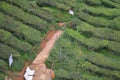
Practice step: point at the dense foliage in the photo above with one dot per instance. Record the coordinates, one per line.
(89, 48)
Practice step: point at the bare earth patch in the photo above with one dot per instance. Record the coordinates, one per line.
(41, 71)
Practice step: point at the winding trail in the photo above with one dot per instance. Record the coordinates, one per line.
(41, 71)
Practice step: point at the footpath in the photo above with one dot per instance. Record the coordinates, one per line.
(41, 70)
(38, 64)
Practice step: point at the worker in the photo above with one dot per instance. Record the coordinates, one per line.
(52, 74)
(71, 12)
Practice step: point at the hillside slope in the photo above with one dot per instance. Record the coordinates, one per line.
(88, 49)
(23, 24)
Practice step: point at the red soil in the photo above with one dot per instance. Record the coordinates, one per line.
(41, 71)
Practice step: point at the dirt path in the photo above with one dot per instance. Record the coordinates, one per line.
(41, 71)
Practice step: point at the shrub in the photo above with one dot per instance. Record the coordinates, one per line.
(93, 20)
(90, 76)
(74, 4)
(2, 76)
(65, 58)
(46, 15)
(109, 13)
(105, 33)
(101, 60)
(117, 1)
(109, 3)
(93, 2)
(115, 46)
(9, 39)
(94, 42)
(102, 71)
(72, 53)
(62, 74)
(98, 21)
(3, 64)
(116, 22)
(87, 41)
(32, 7)
(53, 3)
(17, 28)
(38, 11)
(60, 16)
(17, 65)
(22, 16)
(20, 3)
(6, 51)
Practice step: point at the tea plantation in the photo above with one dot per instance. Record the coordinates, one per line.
(89, 48)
